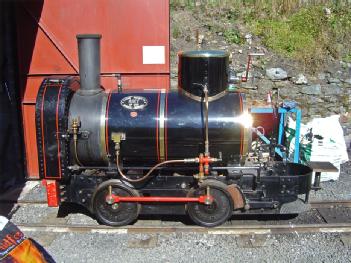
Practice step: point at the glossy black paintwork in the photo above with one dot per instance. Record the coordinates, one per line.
(203, 67)
(184, 124)
(51, 123)
(140, 130)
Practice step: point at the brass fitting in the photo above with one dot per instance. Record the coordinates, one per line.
(75, 127)
(117, 137)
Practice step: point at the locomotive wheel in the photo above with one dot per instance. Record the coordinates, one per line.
(216, 213)
(117, 214)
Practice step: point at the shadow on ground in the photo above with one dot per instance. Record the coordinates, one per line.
(8, 200)
(67, 209)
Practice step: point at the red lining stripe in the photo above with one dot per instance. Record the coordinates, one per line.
(157, 119)
(106, 123)
(166, 114)
(57, 132)
(42, 129)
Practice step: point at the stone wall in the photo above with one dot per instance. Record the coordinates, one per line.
(320, 95)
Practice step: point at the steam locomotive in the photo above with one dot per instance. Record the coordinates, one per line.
(122, 154)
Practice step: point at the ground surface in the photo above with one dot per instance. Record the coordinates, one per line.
(197, 248)
(336, 190)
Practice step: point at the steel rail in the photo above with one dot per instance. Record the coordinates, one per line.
(330, 204)
(222, 230)
(314, 204)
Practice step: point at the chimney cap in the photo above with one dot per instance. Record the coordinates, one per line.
(83, 36)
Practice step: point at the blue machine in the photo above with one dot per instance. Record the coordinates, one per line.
(284, 111)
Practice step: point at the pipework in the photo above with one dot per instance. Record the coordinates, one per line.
(207, 143)
(75, 129)
(117, 138)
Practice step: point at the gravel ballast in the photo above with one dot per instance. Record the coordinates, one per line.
(189, 247)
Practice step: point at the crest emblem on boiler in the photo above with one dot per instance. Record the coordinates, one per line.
(134, 102)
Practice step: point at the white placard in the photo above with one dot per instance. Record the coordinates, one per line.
(154, 55)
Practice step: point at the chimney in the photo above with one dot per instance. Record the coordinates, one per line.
(89, 63)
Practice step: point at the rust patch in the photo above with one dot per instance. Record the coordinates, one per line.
(236, 196)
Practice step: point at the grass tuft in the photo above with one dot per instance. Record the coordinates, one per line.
(233, 36)
(307, 35)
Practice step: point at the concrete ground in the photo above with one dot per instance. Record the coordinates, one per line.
(336, 190)
(183, 247)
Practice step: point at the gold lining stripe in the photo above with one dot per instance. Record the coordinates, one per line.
(161, 126)
(200, 99)
(102, 128)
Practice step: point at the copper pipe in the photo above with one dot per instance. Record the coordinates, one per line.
(75, 152)
(148, 173)
(207, 143)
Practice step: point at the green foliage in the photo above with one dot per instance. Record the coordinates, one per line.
(176, 32)
(232, 15)
(297, 29)
(307, 35)
(278, 36)
(233, 36)
(176, 4)
(347, 58)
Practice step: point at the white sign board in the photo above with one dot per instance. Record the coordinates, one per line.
(154, 55)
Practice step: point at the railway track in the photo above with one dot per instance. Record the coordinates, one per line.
(314, 204)
(331, 204)
(222, 230)
(235, 228)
